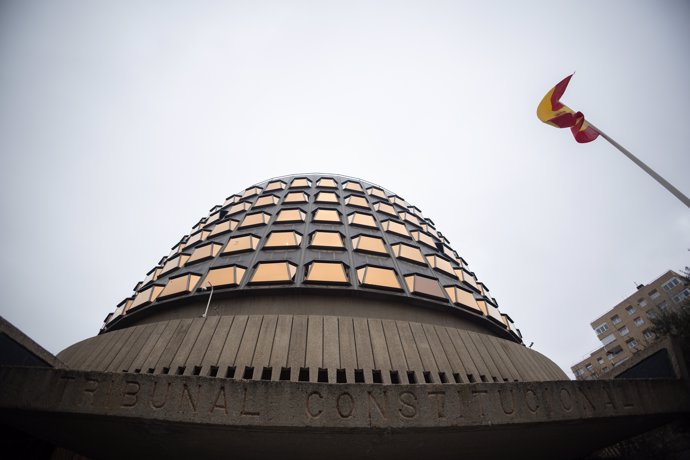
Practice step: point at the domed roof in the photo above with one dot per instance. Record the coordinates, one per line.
(317, 232)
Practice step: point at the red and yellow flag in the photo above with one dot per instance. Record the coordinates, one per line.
(552, 112)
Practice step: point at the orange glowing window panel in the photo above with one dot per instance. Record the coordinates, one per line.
(224, 227)
(463, 298)
(251, 192)
(283, 240)
(207, 251)
(327, 216)
(224, 276)
(424, 286)
(180, 285)
(296, 197)
(290, 215)
(196, 237)
(399, 201)
(275, 185)
(358, 201)
(255, 219)
(300, 182)
(395, 227)
(378, 277)
(174, 263)
(266, 200)
(273, 272)
(239, 207)
(326, 272)
(145, 297)
(467, 277)
(411, 218)
(442, 265)
(424, 238)
(363, 220)
(326, 182)
(326, 197)
(240, 244)
(408, 253)
(231, 200)
(327, 240)
(375, 191)
(353, 186)
(385, 208)
(371, 244)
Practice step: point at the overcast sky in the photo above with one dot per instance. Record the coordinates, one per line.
(123, 122)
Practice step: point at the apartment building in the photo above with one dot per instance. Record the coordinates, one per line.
(627, 328)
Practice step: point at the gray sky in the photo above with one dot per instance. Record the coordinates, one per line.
(122, 123)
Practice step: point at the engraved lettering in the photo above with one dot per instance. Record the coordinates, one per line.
(609, 400)
(310, 409)
(479, 395)
(586, 398)
(164, 399)
(534, 406)
(217, 404)
(91, 389)
(129, 397)
(246, 411)
(189, 398)
(67, 379)
(440, 398)
(345, 409)
(510, 410)
(381, 408)
(566, 399)
(408, 400)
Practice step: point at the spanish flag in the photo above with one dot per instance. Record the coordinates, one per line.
(552, 112)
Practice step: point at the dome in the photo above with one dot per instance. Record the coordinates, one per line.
(315, 278)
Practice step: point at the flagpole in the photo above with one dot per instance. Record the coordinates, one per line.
(677, 193)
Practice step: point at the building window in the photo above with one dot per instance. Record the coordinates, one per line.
(670, 284)
(385, 208)
(223, 227)
(399, 201)
(370, 244)
(273, 272)
(231, 200)
(174, 263)
(326, 272)
(642, 303)
(639, 321)
(632, 343)
(296, 197)
(255, 219)
(326, 240)
(600, 360)
(651, 314)
(275, 185)
(197, 237)
(239, 207)
(396, 228)
(654, 294)
(663, 306)
(630, 309)
(615, 319)
(579, 372)
(326, 197)
(424, 238)
(283, 240)
(467, 277)
(207, 251)
(378, 277)
(605, 369)
(326, 216)
(442, 265)
(224, 276)
(411, 218)
(462, 297)
(266, 200)
(241, 244)
(589, 367)
(300, 182)
(409, 253)
(251, 192)
(685, 293)
(358, 201)
(608, 339)
(648, 334)
(286, 216)
(353, 186)
(145, 297)
(377, 192)
(180, 285)
(363, 220)
(424, 286)
(624, 331)
(601, 329)
(326, 182)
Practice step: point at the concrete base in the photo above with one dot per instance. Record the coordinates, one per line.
(116, 415)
